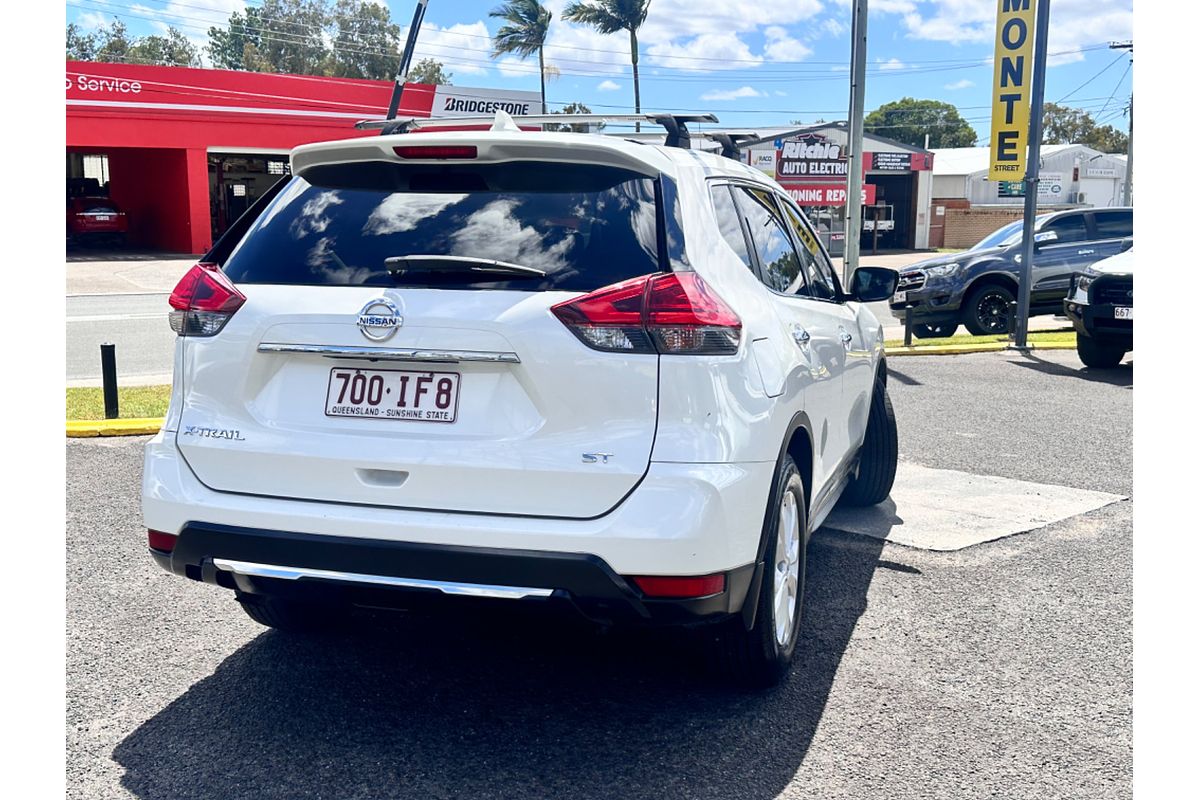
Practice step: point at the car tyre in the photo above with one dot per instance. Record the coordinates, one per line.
(1096, 355)
(986, 311)
(878, 456)
(759, 657)
(288, 615)
(923, 331)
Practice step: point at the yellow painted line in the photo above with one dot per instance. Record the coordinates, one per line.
(983, 347)
(113, 427)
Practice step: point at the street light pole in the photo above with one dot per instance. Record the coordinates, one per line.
(1032, 167)
(1127, 194)
(854, 135)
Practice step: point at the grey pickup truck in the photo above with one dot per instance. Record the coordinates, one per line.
(974, 287)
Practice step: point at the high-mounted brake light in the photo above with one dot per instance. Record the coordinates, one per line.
(436, 151)
(673, 314)
(203, 301)
(680, 587)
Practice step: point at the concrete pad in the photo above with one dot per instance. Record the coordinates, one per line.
(942, 509)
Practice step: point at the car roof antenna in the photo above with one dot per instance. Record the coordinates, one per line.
(504, 122)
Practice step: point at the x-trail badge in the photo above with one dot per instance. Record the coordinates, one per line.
(379, 320)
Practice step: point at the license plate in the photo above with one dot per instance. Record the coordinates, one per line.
(1122, 312)
(392, 394)
(900, 297)
(103, 218)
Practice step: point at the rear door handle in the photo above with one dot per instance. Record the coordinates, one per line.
(845, 337)
(801, 336)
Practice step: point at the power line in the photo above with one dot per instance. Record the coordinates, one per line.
(1128, 67)
(1089, 80)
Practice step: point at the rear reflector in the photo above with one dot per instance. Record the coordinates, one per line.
(436, 151)
(203, 301)
(162, 542)
(670, 313)
(681, 587)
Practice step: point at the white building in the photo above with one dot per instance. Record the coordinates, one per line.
(1071, 175)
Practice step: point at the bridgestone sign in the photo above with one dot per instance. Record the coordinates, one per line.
(1010, 88)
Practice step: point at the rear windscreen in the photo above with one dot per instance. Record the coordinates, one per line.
(583, 226)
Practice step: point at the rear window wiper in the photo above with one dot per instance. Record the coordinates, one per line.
(462, 265)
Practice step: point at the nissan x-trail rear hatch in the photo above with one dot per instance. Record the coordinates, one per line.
(397, 345)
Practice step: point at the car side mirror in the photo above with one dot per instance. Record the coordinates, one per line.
(873, 284)
(1126, 244)
(1045, 238)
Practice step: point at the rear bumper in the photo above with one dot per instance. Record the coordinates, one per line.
(337, 569)
(682, 519)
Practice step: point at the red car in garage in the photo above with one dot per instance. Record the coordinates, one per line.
(95, 219)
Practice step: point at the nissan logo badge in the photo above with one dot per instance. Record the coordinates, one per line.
(379, 320)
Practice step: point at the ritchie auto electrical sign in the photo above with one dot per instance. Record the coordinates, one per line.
(810, 157)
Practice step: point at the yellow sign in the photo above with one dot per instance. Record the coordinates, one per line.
(1010, 88)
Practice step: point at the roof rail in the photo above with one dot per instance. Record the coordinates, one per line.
(676, 124)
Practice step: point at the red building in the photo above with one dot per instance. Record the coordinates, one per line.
(184, 151)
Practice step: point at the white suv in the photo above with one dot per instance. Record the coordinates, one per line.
(541, 367)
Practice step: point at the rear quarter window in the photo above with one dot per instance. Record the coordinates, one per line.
(584, 226)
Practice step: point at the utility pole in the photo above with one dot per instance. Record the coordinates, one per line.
(1032, 167)
(406, 58)
(1127, 195)
(854, 135)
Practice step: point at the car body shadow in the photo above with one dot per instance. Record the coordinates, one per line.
(499, 706)
(1122, 375)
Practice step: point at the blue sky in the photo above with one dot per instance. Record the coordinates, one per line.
(754, 63)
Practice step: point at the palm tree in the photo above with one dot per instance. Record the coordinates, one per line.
(525, 34)
(610, 16)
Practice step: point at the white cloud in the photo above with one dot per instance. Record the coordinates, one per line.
(708, 51)
(454, 44)
(696, 35)
(890, 65)
(963, 84)
(91, 20)
(833, 26)
(1074, 23)
(732, 94)
(782, 47)
(608, 86)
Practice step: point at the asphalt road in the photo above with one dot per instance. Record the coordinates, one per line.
(1003, 670)
(135, 323)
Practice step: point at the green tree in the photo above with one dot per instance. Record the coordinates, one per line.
(525, 34)
(428, 70)
(1065, 125)
(908, 120)
(576, 127)
(229, 47)
(611, 16)
(174, 49)
(236, 46)
(366, 43)
(80, 46)
(112, 43)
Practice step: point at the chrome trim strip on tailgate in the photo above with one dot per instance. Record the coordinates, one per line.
(392, 354)
(445, 587)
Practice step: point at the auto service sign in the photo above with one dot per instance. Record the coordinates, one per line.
(1010, 88)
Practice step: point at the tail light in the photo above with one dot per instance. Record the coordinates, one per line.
(680, 587)
(203, 301)
(163, 542)
(668, 313)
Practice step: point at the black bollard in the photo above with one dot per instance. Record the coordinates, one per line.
(108, 368)
(908, 326)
